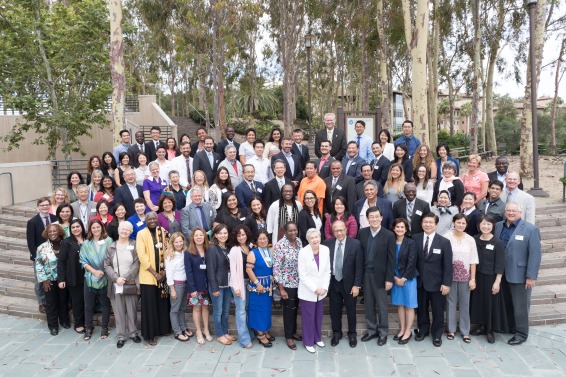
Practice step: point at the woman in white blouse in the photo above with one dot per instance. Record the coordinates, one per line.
(425, 185)
(314, 278)
(387, 144)
(247, 147)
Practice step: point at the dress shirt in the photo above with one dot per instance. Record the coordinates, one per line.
(501, 178)
(510, 195)
(280, 182)
(175, 268)
(321, 162)
(411, 142)
(263, 172)
(364, 147)
(210, 158)
(329, 134)
(430, 238)
(119, 149)
(133, 190)
(507, 231)
(289, 157)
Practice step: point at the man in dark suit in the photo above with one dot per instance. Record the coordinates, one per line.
(371, 199)
(347, 266)
(501, 170)
(367, 174)
(323, 164)
(522, 263)
(196, 214)
(339, 184)
(352, 163)
(151, 146)
(411, 208)
(137, 148)
(272, 189)
(380, 163)
(293, 167)
(198, 146)
(126, 194)
(378, 245)
(336, 136)
(207, 160)
(34, 235)
(434, 265)
(493, 205)
(248, 188)
(299, 148)
(220, 147)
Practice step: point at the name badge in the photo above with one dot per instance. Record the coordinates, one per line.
(93, 210)
(105, 196)
(376, 167)
(163, 183)
(158, 245)
(352, 164)
(101, 242)
(224, 191)
(242, 218)
(519, 238)
(216, 161)
(419, 212)
(436, 251)
(489, 247)
(203, 266)
(259, 190)
(130, 247)
(139, 223)
(338, 187)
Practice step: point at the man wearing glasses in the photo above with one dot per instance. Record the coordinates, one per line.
(410, 141)
(512, 193)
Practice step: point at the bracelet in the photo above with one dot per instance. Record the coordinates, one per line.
(474, 280)
(256, 282)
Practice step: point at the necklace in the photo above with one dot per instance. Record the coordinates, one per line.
(266, 255)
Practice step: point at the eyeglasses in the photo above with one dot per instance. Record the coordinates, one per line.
(339, 230)
(310, 198)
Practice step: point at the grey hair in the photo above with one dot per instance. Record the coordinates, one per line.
(153, 163)
(370, 182)
(311, 232)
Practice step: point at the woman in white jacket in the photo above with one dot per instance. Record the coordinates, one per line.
(314, 278)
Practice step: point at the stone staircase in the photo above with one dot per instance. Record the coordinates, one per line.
(548, 300)
(186, 125)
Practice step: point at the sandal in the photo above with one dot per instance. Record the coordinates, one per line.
(188, 333)
(466, 339)
(200, 339)
(88, 335)
(179, 337)
(450, 336)
(153, 342)
(104, 334)
(80, 330)
(208, 337)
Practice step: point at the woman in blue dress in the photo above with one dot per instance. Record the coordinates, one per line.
(404, 291)
(259, 267)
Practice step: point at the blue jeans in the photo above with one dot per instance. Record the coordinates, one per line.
(241, 320)
(178, 309)
(220, 310)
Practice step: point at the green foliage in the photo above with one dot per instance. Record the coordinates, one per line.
(265, 103)
(198, 117)
(458, 140)
(54, 59)
(507, 126)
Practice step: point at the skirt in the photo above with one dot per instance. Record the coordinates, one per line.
(203, 299)
(487, 309)
(155, 320)
(405, 295)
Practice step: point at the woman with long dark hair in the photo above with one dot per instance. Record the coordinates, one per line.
(222, 185)
(230, 214)
(92, 165)
(340, 211)
(119, 211)
(108, 164)
(74, 179)
(386, 142)
(257, 219)
(310, 216)
(273, 145)
(107, 188)
(402, 158)
(64, 216)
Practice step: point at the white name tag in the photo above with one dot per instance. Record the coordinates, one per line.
(139, 223)
(216, 161)
(489, 247)
(101, 242)
(105, 196)
(259, 190)
(158, 245)
(519, 238)
(163, 183)
(419, 212)
(338, 187)
(376, 167)
(242, 218)
(130, 247)
(224, 191)
(203, 266)
(436, 251)
(352, 164)
(93, 210)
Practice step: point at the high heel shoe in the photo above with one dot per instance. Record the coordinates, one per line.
(268, 344)
(405, 340)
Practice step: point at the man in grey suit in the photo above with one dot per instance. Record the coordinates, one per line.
(83, 208)
(352, 163)
(512, 193)
(493, 205)
(522, 262)
(196, 214)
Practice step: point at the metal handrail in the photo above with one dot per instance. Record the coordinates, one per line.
(11, 184)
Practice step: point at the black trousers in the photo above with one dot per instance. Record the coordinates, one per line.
(78, 302)
(290, 311)
(437, 302)
(338, 299)
(56, 300)
(90, 301)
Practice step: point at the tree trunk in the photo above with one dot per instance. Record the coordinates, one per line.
(252, 106)
(172, 79)
(117, 68)
(555, 99)
(219, 16)
(476, 78)
(451, 103)
(384, 93)
(365, 74)
(433, 78)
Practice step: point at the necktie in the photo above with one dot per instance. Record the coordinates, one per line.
(252, 186)
(409, 212)
(156, 144)
(334, 183)
(426, 247)
(141, 147)
(187, 161)
(202, 218)
(300, 148)
(45, 221)
(338, 264)
(359, 138)
(280, 183)
(210, 159)
(508, 197)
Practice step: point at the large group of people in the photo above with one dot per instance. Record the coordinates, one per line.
(189, 226)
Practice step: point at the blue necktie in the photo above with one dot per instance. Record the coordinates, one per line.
(202, 219)
(359, 138)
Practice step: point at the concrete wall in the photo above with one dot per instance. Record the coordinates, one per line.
(32, 180)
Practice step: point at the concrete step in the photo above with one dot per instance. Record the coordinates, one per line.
(16, 257)
(551, 276)
(11, 243)
(15, 220)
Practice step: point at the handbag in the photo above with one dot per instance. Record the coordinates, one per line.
(130, 287)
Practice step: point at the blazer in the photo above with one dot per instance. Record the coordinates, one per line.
(439, 170)
(297, 173)
(304, 154)
(380, 169)
(497, 209)
(146, 254)
(271, 191)
(339, 143)
(407, 259)
(244, 193)
(472, 227)
(179, 164)
(493, 177)
(306, 222)
(112, 271)
(123, 195)
(436, 270)
(194, 148)
(201, 162)
(312, 277)
(384, 254)
(90, 210)
(151, 151)
(34, 229)
(69, 268)
(196, 277)
(190, 218)
(456, 192)
(235, 178)
(352, 265)
(325, 170)
(383, 204)
(522, 253)
(419, 209)
(408, 169)
(525, 200)
(355, 170)
(360, 192)
(222, 146)
(133, 153)
(345, 186)
(217, 268)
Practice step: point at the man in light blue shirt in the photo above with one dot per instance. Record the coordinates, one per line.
(123, 146)
(410, 141)
(363, 141)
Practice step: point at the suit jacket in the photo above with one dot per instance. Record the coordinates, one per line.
(150, 150)
(523, 252)
(244, 193)
(194, 148)
(235, 178)
(190, 218)
(380, 169)
(179, 164)
(304, 156)
(384, 254)
(124, 196)
(497, 209)
(325, 171)
(90, 210)
(527, 201)
(311, 276)
(222, 146)
(345, 186)
(217, 268)
(339, 143)
(407, 259)
(306, 222)
(271, 192)
(133, 153)
(383, 204)
(353, 262)
(456, 192)
(436, 270)
(201, 162)
(297, 173)
(355, 170)
(419, 209)
(34, 229)
(493, 177)
(360, 193)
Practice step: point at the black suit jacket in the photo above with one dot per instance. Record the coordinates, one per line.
(297, 173)
(133, 153)
(194, 148)
(151, 151)
(222, 146)
(383, 204)
(493, 177)
(34, 229)
(244, 193)
(201, 162)
(271, 191)
(380, 169)
(304, 156)
(353, 262)
(400, 211)
(436, 270)
(407, 259)
(345, 186)
(124, 196)
(384, 249)
(325, 171)
(339, 143)
(456, 192)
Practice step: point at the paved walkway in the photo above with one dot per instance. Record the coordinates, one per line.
(28, 350)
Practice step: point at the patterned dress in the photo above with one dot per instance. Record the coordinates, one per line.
(259, 313)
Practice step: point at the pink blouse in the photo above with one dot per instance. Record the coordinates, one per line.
(473, 183)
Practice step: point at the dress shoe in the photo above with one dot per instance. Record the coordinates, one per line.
(42, 308)
(320, 344)
(368, 337)
(397, 338)
(490, 337)
(437, 342)
(270, 337)
(54, 331)
(515, 342)
(353, 342)
(297, 337)
(66, 325)
(478, 331)
(136, 339)
(381, 341)
(334, 341)
(420, 335)
(120, 343)
(406, 340)
(310, 349)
